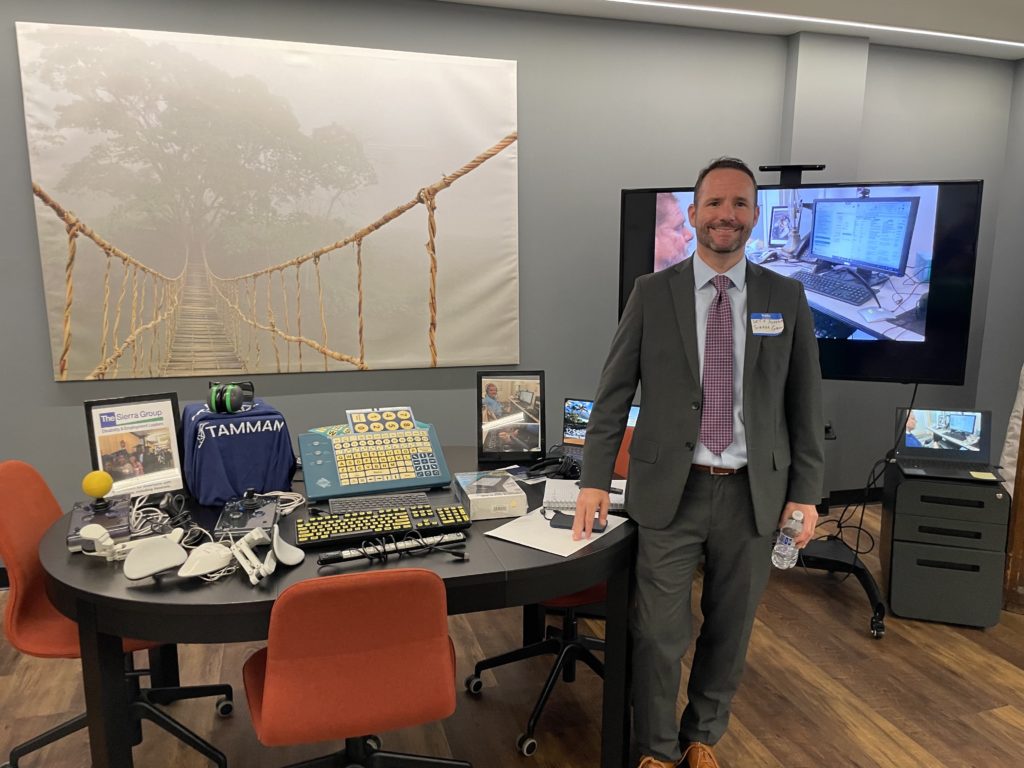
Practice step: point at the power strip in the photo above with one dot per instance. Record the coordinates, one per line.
(376, 550)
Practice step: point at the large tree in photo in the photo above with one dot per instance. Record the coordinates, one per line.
(213, 161)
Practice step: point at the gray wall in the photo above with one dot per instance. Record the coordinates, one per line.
(603, 105)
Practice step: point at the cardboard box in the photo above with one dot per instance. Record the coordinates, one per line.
(489, 495)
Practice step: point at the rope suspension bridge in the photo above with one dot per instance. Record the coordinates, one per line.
(200, 323)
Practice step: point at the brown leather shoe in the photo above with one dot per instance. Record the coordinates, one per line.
(697, 755)
(652, 762)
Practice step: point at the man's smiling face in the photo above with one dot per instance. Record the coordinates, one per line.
(725, 212)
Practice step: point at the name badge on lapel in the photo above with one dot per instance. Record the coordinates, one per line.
(766, 323)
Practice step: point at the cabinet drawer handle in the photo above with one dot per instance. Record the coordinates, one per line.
(949, 532)
(946, 565)
(977, 503)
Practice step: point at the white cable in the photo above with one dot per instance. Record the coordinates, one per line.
(145, 518)
(287, 501)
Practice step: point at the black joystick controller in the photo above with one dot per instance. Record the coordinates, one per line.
(243, 508)
(249, 501)
(98, 484)
(241, 515)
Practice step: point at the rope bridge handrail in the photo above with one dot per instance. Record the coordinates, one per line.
(165, 297)
(231, 294)
(271, 328)
(166, 293)
(424, 196)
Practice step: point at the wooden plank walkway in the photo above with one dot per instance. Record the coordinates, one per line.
(201, 345)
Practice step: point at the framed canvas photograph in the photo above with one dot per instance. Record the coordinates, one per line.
(780, 226)
(135, 440)
(510, 416)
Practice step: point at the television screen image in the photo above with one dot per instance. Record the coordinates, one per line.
(888, 267)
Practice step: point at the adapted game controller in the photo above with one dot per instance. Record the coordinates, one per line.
(280, 550)
(112, 514)
(252, 511)
(96, 541)
(209, 557)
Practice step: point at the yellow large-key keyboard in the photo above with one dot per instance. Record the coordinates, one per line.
(371, 462)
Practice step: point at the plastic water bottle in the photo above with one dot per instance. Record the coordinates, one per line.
(785, 553)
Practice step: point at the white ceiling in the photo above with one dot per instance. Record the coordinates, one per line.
(989, 20)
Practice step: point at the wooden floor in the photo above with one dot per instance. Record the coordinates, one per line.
(818, 692)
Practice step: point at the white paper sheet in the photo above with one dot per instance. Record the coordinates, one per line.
(533, 530)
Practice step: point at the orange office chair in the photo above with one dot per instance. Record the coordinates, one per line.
(352, 654)
(36, 628)
(566, 643)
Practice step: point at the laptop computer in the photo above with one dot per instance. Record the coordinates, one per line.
(575, 417)
(951, 445)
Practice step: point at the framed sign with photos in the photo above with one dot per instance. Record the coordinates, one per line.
(779, 226)
(510, 416)
(135, 440)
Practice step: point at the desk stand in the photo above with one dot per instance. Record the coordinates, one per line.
(835, 556)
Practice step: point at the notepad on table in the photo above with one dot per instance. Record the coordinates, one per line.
(561, 494)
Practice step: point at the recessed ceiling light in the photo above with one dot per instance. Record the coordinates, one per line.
(817, 20)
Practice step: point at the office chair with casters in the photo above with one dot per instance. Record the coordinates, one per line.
(350, 655)
(34, 627)
(565, 643)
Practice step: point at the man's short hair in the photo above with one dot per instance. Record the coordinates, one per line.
(724, 162)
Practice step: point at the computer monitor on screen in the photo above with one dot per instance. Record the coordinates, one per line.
(526, 396)
(962, 422)
(870, 234)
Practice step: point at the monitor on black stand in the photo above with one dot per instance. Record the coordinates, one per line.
(869, 236)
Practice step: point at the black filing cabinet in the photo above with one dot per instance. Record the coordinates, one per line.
(943, 548)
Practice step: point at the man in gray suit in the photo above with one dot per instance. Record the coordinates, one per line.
(728, 444)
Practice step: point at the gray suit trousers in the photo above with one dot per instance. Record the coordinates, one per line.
(715, 521)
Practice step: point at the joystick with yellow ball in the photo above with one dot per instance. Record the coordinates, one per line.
(98, 484)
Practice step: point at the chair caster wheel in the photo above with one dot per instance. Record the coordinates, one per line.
(526, 745)
(225, 707)
(373, 743)
(474, 684)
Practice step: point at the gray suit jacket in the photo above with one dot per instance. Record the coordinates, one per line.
(656, 345)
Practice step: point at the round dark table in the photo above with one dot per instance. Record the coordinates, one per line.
(167, 609)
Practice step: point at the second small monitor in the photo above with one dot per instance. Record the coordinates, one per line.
(576, 417)
(510, 417)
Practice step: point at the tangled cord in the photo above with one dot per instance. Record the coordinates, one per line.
(376, 550)
(844, 522)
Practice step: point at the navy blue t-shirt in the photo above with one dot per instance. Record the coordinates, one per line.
(227, 453)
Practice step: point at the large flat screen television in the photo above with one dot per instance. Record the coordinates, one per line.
(888, 267)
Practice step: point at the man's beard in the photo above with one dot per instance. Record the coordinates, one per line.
(704, 235)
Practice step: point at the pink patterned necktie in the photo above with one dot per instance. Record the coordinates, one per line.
(716, 413)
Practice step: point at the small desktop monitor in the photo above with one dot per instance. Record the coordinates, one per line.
(872, 234)
(962, 422)
(510, 416)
